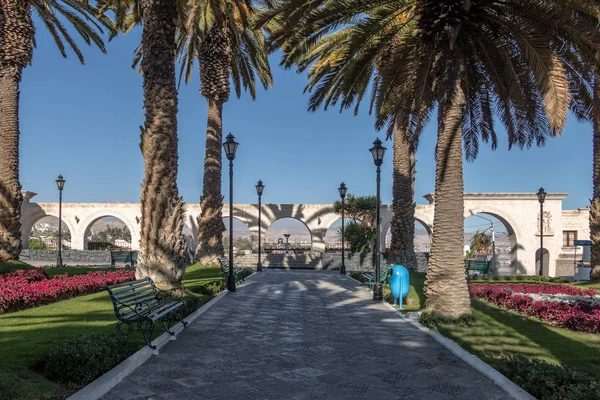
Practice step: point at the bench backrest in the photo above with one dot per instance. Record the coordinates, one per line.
(128, 296)
(224, 261)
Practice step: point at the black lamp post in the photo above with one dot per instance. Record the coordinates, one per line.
(230, 147)
(60, 183)
(377, 151)
(343, 189)
(259, 191)
(541, 195)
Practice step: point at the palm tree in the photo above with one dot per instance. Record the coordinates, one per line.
(17, 35)
(222, 38)
(595, 202)
(163, 250)
(470, 59)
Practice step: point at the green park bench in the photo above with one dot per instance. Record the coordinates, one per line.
(123, 256)
(478, 264)
(237, 272)
(139, 304)
(370, 276)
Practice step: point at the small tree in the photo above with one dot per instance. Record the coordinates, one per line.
(481, 244)
(363, 208)
(361, 238)
(360, 232)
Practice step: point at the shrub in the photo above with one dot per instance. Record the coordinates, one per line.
(36, 244)
(550, 382)
(80, 360)
(358, 276)
(432, 321)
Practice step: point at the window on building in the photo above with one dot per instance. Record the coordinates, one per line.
(569, 238)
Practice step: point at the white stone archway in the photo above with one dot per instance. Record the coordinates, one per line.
(94, 216)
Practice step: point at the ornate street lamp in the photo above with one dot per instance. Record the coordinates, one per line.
(60, 183)
(259, 191)
(541, 195)
(377, 151)
(343, 189)
(230, 147)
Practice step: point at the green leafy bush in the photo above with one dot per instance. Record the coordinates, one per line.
(80, 360)
(432, 321)
(358, 276)
(36, 244)
(547, 381)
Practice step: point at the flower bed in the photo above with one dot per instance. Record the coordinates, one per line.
(32, 288)
(577, 316)
(543, 289)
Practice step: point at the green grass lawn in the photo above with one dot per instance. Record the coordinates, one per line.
(12, 266)
(499, 332)
(27, 334)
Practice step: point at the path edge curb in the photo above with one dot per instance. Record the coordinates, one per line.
(112, 378)
(514, 390)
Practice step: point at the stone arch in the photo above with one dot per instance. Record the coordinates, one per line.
(225, 233)
(388, 236)
(512, 228)
(28, 222)
(312, 236)
(92, 218)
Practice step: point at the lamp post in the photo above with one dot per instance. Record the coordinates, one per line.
(343, 189)
(259, 191)
(60, 183)
(541, 195)
(287, 242)
(230, 147)
(493, 239)
(377, 151)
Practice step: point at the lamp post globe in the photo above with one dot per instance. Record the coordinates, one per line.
(230, 146)
(378, 151)
(541, 195)
(60, 184)
(342, 190)
(259, 191)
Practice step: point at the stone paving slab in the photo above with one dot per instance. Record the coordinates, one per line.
(304, 335)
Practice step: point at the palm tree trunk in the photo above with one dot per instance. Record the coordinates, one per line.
(210, 223)
(595, 202)
(10, 188)
(446, 285)
(16, 50)
(162, 246)
(403, 207)
(215, 69)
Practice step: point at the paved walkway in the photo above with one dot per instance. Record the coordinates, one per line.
(304, 335)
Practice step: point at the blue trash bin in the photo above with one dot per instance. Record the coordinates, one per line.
(399, 284)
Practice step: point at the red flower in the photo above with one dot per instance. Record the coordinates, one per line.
(577, 315)
(31, 288)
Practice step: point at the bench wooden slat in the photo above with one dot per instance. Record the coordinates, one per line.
(116, 287)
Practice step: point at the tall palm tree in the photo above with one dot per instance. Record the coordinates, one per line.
(163, 250)
(222, 38)
(348, 86)
(595, 202)
(470, 59)
(17, 36)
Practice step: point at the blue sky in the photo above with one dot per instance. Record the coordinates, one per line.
(82, 122)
